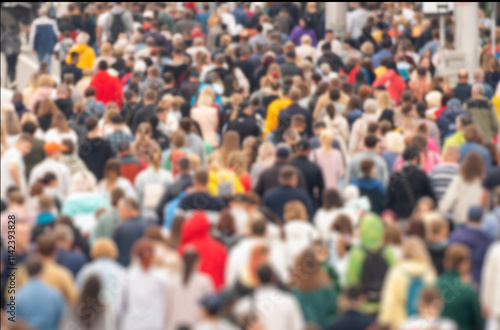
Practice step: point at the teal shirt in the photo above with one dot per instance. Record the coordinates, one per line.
(318, 306)
(461, 302)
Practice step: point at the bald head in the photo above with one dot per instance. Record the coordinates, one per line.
(451, 154)
(463, 76)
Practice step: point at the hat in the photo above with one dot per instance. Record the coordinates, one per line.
(282, 152)
(51, 147)
(212, 303)
(117, 119)
(303, 145)
(123, 145)
(194, 74)
(475, 213)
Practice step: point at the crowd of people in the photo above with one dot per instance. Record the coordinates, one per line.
(238, 166)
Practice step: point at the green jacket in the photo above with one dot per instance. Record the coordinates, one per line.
(456, 139)
(484, 117)
(372, 235)
(106, 224)
(461, 302)
(318, 306)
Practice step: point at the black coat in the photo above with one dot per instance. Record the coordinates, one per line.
(405, 188)
(142, 115)
(314, 178)
(245, 126)
(268, 179)
(95, 153)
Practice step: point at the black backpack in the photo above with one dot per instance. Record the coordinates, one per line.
(373, 273)
(117, 27)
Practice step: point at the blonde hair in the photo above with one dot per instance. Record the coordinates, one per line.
(384, 101)
(104, 248)
(236, 162)
(10, 122)
(267, 152)
(326, 138)
(295, 210)
(194, 161)
(206, 97)
(394, 142)
(29, 117)
(45, 80)
(106, 49)
(433, 99)
(305, 40)
(82, 38)
(415, 250)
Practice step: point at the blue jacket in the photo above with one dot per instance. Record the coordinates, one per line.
(351, 320)
(44, 34)
(446, 121)
(478, 243)
(276, 198)
(471, 146)
(125, 236)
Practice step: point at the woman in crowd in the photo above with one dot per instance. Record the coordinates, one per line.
(112, 179)
(143, 144)
(60, 130)
(329, 160)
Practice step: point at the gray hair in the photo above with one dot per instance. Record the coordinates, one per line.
(478, 88)
(82, 38)
(370, 106)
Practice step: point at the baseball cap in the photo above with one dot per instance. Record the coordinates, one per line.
(51, 147)
(123, 145)
(302, 145)
(282, 152)
(475, 213)
(212, 303)
(243, 105)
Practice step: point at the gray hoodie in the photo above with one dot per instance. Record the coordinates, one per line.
(126, 17)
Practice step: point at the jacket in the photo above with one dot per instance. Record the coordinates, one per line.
(108, 88)
(359, 131)
(446, 121)
(393, 82)
(409, 179)
(44, 34)
(395, 290)
(273, 111)
(125, 236)
(490, 286)
(95, 153)
(313, 177)
(352, 320)
(245, 126)
(374, 190)
(276, 198)
(468, 147)
(478, 242)
(87, 56)
(268, 179)
(318, 306)
(484, 116)
(339, 126)
(459, 197)
(461, 302)
(195, 232)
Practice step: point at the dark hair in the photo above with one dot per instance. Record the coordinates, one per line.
(183, 164)
(258, 227)
(330, 110)
(168, 77)
(74, 55)
(116, 195)
(410, 153)
(416, 227)
(354, 293)
(335, 94)
(46, 244)
(265, 274)
(371, 141)
(90, 304)
(472, 167)
(366, 166)
(29, 127)
(112, 165)
(103, 65)
(189, 258)
(331, 199)
(201, 176)
(91, 123)
(354, 103)
(226, 222)
(89, 91)
(34, 266)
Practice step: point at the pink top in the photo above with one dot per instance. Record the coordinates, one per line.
(331, 164)
(41, 94)
(208, 119)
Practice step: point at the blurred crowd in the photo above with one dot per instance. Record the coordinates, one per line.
(237, 165)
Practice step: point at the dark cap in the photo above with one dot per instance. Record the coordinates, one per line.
(117, 119)
(123, 145)
(303, 145)
(243, 105)
(475, 213)
(212, 303)
(282, 152)
(194, 74)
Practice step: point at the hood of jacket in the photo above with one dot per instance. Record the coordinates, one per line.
(101, 77)
(79, 48)
(196, 227)
(372, 231)
(366, 183)
(414, 268)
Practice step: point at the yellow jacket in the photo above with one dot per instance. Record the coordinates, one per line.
(496, 103)
(216, 178)
(87, 56)
(273, 111)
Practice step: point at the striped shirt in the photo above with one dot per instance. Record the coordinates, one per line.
(441, 176)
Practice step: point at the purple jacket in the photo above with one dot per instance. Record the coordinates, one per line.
(299, 31)
(478, 243)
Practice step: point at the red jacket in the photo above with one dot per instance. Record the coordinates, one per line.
(394, 83)
(195, 232)
(107, 88)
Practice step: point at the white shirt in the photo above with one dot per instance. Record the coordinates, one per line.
(490, 285)
(141, 302)
(53, 135)
(299, 236)
(100, 22)
(276, 309)
(12, 156)
(61, 171)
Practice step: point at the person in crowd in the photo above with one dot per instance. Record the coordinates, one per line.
(43, 37)
(353, 170)
(482, 112)
(68, 257)
(13, 166)
(94, 151)
(329, 160)
(475, 239)
(489, 287)
(455, 282)
(40, 305)
(370, 187)
(112, 179)
(352, 300)
(130, 230)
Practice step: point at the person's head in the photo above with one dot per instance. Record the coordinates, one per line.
(298, 124)
(354, 297)
(150, 97)
(34, 266)
(128, 208)
(112, 170)
(295, 210)
(371, 141)
(457, 258)
(45, 203)
(91, 124)
(414, 250)
(307, 274)
(24, 143)
(143, 252)
(478, 76)
(472, 167)
(331, 199)
(367, 167)
(411, 155)
(477, 90)
(342, 224)
(475, 215)
(451, 154)
(287, 176)
(200, 180)
(46, 245)
(430, 303)
(64, 236)
(463, 76)
(392, 234)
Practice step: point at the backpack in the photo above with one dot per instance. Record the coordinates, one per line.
(117, 27)
(373, 273)
(170, 210)
(413, 294)
(225, 184)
